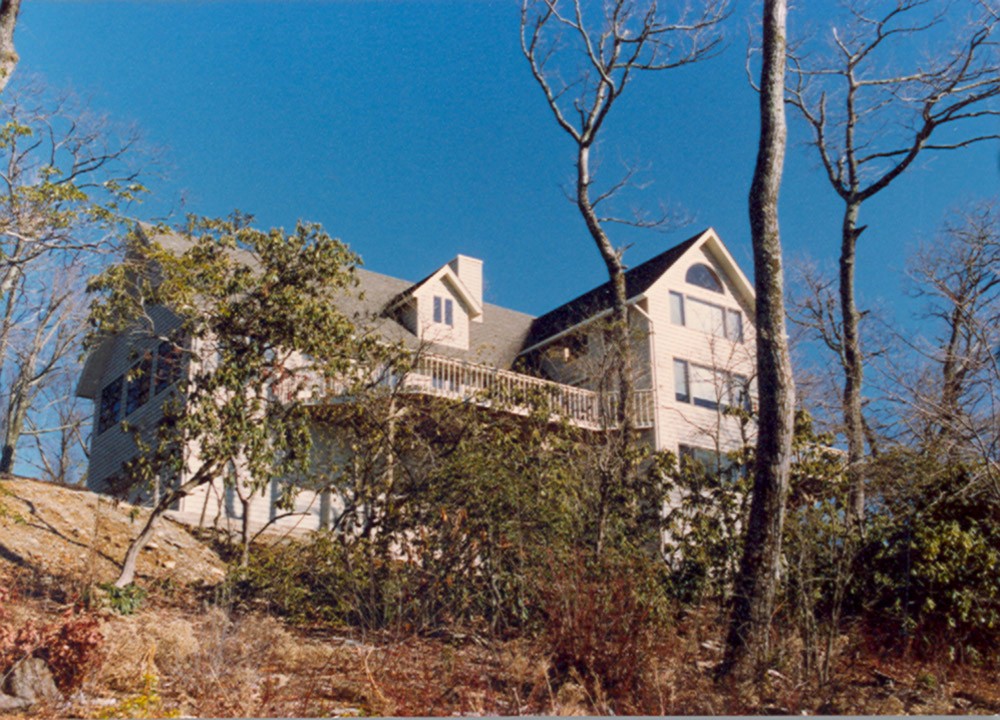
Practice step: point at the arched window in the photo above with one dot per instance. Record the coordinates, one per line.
(703, 276)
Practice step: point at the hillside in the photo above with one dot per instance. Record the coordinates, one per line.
(74, 535)
(191, 650)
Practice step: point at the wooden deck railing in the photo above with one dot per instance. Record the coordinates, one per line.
(447, 377)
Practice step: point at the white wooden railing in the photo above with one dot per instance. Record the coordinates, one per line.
(447, 377)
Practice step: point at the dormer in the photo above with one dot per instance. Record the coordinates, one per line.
(439, 308)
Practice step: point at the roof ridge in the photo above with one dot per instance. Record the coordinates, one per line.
(637, 280)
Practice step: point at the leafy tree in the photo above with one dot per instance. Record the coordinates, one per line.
(253, 315)
(932, 562)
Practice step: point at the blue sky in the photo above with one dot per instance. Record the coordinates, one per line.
(413, 131)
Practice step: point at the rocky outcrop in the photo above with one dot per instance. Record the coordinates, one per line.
(28, 683)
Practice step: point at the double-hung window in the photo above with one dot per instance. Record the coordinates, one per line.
(707, 317)
(444, 311)
(111, 404)
(708, 388)
(137, 390)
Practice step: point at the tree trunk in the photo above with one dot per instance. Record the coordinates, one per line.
(16, 413)
(622, 347)
(9, 10)
(747, 644)
(245, 531)
(127, 575)
(618, 468)
(853, 371)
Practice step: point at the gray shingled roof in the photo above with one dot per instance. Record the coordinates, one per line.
(637, 281)
(503, 333)
(495, 341)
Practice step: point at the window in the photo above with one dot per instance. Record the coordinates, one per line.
(704, 277)
(709, 388)
(681, 388)
(705, 387)
(444, 311)
(111, 404)
(739, 392)
(677, 308)
(711, 463)
(137, 392)
(734, 325)
(168, 366)
(707, 317)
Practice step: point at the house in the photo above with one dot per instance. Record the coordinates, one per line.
(691, 312)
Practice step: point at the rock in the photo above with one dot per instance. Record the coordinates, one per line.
(31, 681)
(10, 704)
(891, 705)
(882, 679)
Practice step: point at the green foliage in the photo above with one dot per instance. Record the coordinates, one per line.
(254, 316)
(933, 558)
(448, 513)
(706, 507)
(454, 529)
(123, 600)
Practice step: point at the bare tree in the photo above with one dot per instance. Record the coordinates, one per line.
(45, 337)
(747, 644)
(65, 177)
(605, 45)
(814, 311)
(9, 10)
(953, 401)
(871, 118)
(58, 429)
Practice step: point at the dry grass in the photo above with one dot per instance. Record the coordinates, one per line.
(210, 663)
(183, 655)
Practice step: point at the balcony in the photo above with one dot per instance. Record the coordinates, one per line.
(442, 376)
(446, 377)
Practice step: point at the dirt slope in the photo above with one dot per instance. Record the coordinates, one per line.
(71, 533)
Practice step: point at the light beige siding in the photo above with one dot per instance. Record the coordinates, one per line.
(680, 423)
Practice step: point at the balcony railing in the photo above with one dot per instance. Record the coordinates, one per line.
(446, 377)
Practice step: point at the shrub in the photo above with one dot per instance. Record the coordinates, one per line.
(601, 623)
(123, 600)
(70, 646)
(932, 565)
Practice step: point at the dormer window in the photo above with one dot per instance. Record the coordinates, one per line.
(703, 276)
(444, 311)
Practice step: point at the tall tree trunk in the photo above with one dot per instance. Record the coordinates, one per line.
(853, 370)
(618, 468)
(622, 347)
(747, 644)
(9, 10)
(17, 411)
